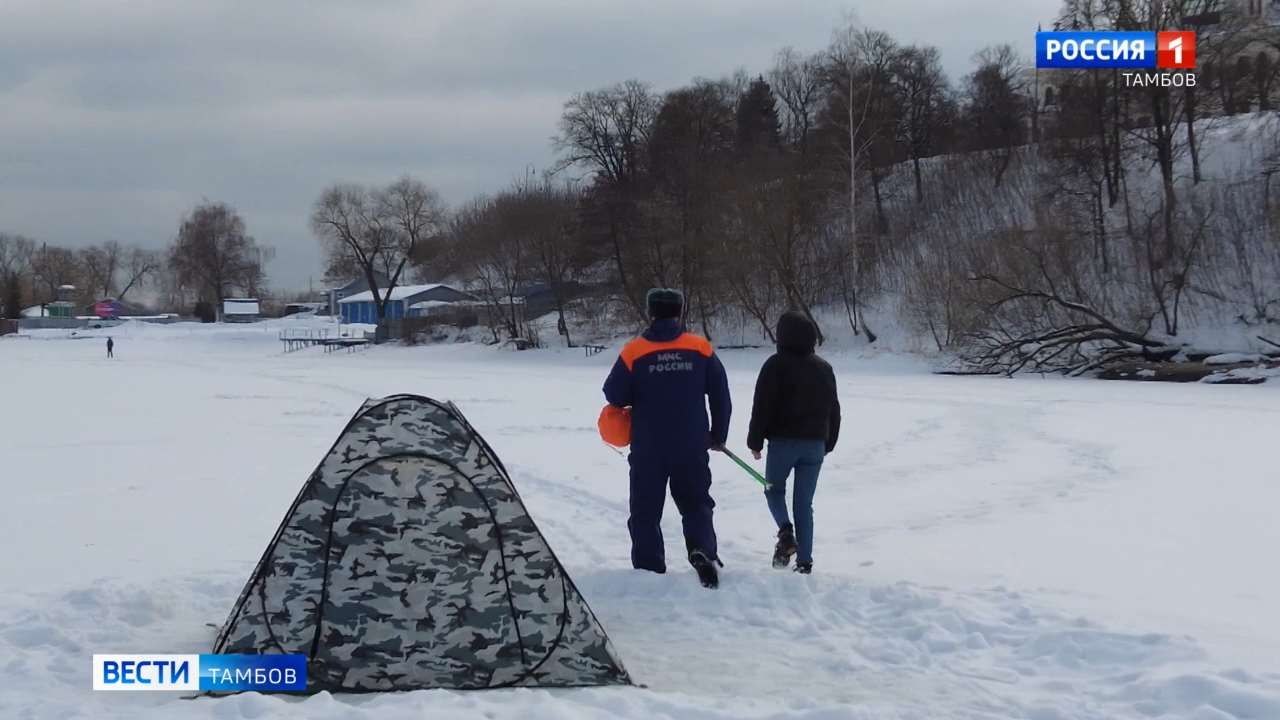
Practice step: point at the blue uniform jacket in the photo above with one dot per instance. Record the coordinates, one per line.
(663, 376)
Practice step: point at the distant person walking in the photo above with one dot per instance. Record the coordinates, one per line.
(797, 409)
(111, 348)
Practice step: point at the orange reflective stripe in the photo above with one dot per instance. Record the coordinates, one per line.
(641, 346)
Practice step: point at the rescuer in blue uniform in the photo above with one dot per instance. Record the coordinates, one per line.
(664, 376)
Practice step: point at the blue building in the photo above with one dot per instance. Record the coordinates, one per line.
(360, 308)
(359, 285)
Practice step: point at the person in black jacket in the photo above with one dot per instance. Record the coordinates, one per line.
(797, 409)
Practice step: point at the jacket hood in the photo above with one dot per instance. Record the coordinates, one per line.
(796, 333)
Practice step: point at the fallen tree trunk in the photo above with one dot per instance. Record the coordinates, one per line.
(1197, 371)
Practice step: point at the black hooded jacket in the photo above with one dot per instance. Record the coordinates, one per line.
(796, 392)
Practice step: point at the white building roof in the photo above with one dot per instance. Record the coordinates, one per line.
(240, 306)
(425, 304)
(399, 293)
(428, 304)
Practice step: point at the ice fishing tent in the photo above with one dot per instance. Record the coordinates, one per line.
(408, 561)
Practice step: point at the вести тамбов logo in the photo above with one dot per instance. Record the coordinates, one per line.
(1165, 59)
(204, 673)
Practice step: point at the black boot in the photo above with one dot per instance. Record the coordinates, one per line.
(804, 568)
(786, 547)
(706, 569)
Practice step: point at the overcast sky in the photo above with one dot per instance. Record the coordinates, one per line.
(118, 117)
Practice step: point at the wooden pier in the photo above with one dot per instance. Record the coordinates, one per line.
(331, 340)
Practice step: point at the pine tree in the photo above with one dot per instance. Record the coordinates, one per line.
(758, 126)
(205, 311)
(13, 299)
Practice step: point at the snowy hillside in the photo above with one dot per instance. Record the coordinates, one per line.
(962, 205)
(986, 548)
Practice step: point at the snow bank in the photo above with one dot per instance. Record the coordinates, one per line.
(1244, 375)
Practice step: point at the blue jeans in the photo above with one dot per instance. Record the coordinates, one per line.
(805, 457)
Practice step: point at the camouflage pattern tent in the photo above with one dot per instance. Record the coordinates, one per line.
(409, 561)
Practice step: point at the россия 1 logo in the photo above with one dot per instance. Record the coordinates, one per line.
(1158, 51)
(208, 673)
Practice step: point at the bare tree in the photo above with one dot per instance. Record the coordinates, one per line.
(112, 270)
(101, 263)
(927, 108)
(691, 148)
(16, 253)
(138, 268)
(1098, 92)
(1029, 288)
(551, 219)
(997, 107)
(214, 255)
(491, 243)
(797, 81)
(510, 253)
(376, 231)
(778, 225)
(53, 267)
(469, 235)
(526, 234)
(606, 132)
(883, 109)
(1080, 167)
(415, 214)
(853, 88)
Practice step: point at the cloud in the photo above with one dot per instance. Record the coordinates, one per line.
(119, 117)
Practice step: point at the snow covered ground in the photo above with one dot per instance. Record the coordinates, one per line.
(986, 548)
